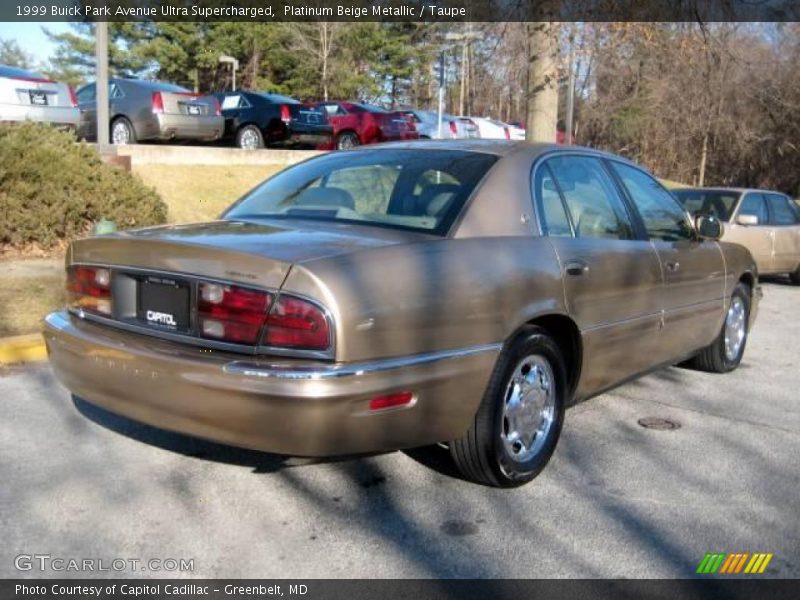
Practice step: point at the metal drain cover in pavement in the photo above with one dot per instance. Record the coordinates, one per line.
(658, 423)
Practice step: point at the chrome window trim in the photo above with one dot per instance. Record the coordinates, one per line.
(336, 371)
(196, 340)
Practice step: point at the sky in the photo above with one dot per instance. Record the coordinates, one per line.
(31, 38)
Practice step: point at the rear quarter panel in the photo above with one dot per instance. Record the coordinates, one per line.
(436, 295)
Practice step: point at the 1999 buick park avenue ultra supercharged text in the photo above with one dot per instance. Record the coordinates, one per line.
(410, 294)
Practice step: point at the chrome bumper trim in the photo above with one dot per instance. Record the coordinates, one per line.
(334, 371)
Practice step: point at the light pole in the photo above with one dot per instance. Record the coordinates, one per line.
(234, 63)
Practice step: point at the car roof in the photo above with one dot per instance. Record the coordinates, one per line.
(499, 147)
(735, 190)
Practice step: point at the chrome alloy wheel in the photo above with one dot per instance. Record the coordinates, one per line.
(735, 328)
(249, 139)
(529, 408)
(120, 134)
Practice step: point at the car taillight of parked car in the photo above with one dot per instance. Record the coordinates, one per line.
(286, 114)
(453, 129)
(89, 289)
(157, 103)
(217, 108)
(239, 315)
(73, 99)
(507, 132)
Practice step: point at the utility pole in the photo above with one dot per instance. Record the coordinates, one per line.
(542, 90)
(466, 37)
(101, 62)
(441, 94)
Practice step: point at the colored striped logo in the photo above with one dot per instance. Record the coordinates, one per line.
(734, 564)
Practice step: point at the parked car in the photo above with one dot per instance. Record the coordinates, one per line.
(151, 110)
(357, 123)
(27, 96)
(463, 292)
(467, 128)
(427, 125)
(767, 223)
(256, 119)
(492, 129)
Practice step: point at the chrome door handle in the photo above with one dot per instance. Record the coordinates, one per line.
(673, 265)
(576, 267)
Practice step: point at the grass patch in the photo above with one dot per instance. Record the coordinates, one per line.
(26, 301)
(201, 192)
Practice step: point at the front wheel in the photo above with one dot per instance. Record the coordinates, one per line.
(725, 353)
(795, 277)
(519, 420)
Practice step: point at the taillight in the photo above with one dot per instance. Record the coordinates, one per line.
(286, 115)
(217, 108)
(507, 132)
(89, 288)
(297, 323)
(230, 313)
(453, 129)
(72, 97)
(157, 103)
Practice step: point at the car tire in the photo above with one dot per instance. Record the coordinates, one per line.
(795, 277)
(347, 140)
(122, 132)
(502, 447)
(249, 137)
(725, 353)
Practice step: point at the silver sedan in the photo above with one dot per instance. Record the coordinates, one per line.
(27, 96)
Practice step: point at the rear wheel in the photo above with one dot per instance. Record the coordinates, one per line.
(249, 137)
(795, 277)
(725, 353)
(347, 140)
(122, 132)
(519, 420)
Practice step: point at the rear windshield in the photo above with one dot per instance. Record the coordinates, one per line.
(15, 72)
(718, 203)
(372, 108)
(160, 86)
(421, 190)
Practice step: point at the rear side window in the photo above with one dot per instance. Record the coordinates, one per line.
(552, 214)
(594, 205)
(663, 217)
(706, 202)
(753, 204)
(782, 210)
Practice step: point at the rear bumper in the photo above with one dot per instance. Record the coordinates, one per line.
(60, 116)
(300, 408)
(186, 127)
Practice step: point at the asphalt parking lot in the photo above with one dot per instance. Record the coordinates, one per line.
(617, 500)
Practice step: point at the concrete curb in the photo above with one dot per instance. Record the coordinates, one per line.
(22, 348)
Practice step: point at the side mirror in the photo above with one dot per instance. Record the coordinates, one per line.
(747, 219)
(708, 227)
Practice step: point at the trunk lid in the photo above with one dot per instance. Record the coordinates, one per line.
(188, 103)
(238, 251)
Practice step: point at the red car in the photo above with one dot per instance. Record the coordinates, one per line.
(356, 123)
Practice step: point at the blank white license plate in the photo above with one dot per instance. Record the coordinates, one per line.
(193, 109)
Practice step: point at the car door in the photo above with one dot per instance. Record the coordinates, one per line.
(785, 222)
(612, 277)
(758, 237)
(694, 270)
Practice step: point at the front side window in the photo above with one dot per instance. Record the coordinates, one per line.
(753, 204)
(782, 210)
(406, 189)
(594, 205)
(663, 217)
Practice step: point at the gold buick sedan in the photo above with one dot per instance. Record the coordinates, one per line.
(463, 293)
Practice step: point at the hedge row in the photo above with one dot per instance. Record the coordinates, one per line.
(52, 188)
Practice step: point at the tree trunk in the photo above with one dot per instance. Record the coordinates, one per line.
(701, 176)
(542, 88)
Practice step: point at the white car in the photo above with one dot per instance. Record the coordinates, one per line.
(492, 129)
(27, 96)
